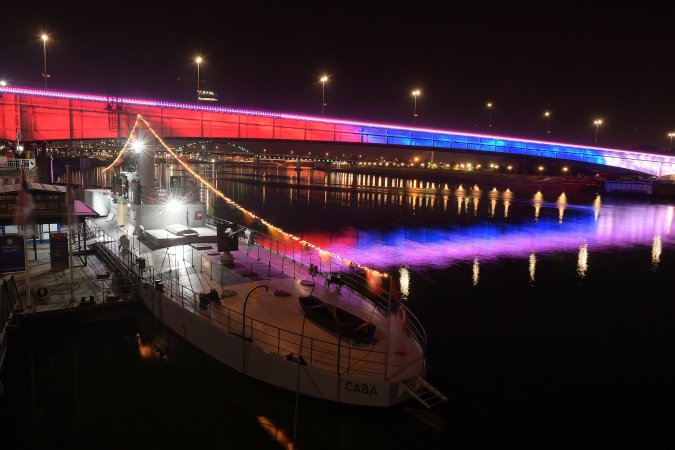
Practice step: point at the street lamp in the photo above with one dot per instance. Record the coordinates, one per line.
(597, 123)
(547, 114)
(416, 93)
(198, 60)
(243, 327)
(323, 79)
(489, 107)
(45, 38)
(670, 147)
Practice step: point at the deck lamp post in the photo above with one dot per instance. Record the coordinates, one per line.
(416, 93)
(597, 123)
(45, 38)
(323, 79)
(243, 327)
(670, 147)
(547, 114)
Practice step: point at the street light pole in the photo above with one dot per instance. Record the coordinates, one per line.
(198, 60)
(597, 123)
(670, 147)
(323, 80)
(489, 107)
(415, 94)
(547, 114)
(44, 38)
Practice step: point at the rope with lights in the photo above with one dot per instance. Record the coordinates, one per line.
(231, 202)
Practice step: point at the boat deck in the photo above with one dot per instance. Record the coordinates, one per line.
(272, 322)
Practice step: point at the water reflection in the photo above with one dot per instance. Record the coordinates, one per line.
(597, 204)
(533, 266)
(538, 199)
(475, 271)
(582, 260)
(561, 202)
(507, 196)
(620, 225)
(656, 252)
(275, 432)
(404, 281)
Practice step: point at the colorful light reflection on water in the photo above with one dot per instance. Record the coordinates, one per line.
(591, 228)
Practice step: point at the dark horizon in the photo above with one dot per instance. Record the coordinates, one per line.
(579, 63)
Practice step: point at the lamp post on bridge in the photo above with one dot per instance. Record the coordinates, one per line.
(45, 38)
(415, 93)
(323, 79)
(547, 114)
(597, 123)
(489, 107)
(198, 60)
(670, 147)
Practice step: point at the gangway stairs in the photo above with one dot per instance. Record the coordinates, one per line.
(423, 392)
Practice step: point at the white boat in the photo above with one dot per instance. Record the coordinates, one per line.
(257, 326)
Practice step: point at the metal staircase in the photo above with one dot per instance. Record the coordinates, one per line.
(423, 392)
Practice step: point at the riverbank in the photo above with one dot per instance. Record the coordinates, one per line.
(486, 180)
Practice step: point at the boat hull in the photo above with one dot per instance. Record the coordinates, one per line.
(272, 368)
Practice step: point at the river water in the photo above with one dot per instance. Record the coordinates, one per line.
(550, 324)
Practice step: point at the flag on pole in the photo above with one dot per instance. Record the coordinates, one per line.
(24, 201)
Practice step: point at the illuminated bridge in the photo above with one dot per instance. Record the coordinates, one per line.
(42, 115)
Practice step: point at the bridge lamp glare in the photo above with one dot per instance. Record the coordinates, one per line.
(138, 146)
(597, 123)
(45, 38)
(489, 107)
(323, 79)
(3, 83)
(415, 93)
(199, 61)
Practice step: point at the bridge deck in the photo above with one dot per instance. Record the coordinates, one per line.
(42, 115)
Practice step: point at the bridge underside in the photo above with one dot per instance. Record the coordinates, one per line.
(48, 115)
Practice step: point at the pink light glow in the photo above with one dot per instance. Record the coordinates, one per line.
(254, 112)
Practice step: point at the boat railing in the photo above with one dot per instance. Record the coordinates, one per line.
(284, 253)
(346, 359)
(319, 353)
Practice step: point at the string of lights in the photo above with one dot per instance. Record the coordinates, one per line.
(236, 205)
(124, 149)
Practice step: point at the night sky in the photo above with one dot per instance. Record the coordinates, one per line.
(579, 61)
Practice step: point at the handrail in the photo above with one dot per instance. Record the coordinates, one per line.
(308, 256)
(316, 352)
